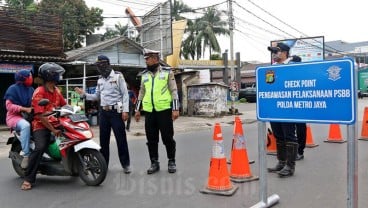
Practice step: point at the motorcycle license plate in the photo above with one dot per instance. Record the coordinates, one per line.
(78, 117)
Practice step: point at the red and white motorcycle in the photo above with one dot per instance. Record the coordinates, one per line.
(72, 154)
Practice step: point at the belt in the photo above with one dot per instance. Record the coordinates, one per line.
(109, 107)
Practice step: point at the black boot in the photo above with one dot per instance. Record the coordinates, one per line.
(281, 156)
(291, 152)
(171, 167)
(155, 166)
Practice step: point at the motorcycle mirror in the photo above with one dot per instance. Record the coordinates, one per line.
(43, 102)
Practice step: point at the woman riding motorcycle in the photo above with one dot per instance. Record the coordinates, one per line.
(17, 100)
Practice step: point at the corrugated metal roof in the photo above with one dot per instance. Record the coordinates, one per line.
(79, 53)
(30, 58)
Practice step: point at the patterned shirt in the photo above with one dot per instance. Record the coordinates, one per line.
(56, 100)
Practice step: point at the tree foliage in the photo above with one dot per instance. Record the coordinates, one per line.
(120, 30)
(178, 7)
(202, 32)
(78, 20)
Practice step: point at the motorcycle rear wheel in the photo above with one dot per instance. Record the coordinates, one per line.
(94, 170)
(19, 170)
(16, 148)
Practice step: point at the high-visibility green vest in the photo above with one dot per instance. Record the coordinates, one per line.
(157, 93)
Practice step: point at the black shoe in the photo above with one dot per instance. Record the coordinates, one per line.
(155, 166)
(171, 167)
(299, 157)
(127, 170)
(287, 171)
(279, 166)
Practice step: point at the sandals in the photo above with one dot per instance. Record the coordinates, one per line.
(26, 186)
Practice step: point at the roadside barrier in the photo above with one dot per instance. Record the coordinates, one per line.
(218, 180)
(240, 169)
(334, 135)
(310, 143)
(364, 133)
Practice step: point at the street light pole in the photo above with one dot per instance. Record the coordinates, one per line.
(232, 72)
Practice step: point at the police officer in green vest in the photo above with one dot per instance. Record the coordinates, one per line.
(158, 98)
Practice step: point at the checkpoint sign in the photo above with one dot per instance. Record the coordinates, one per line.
(311, 92)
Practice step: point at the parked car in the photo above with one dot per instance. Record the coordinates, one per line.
(249, 93)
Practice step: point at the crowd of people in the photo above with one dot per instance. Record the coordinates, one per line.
(157, 98)
(117, 105)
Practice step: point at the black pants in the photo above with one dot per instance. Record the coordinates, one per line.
(160, 122)
(113, 119)
(284, 131)
(301, 132)
(41, 139)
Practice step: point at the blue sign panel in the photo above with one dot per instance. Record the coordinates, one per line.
(312, 92)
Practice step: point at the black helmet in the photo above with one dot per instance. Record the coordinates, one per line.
(50, 72)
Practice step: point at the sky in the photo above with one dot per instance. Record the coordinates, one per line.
(257, 22)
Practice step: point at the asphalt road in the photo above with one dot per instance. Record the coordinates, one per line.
(320, 179)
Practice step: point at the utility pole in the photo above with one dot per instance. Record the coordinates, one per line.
(233, 84)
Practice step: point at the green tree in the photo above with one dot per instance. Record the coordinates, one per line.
(202, 33)
(120, 30)
(77, 19)
(178, 7)
(188, 47)
(209, 26)
(22, 5)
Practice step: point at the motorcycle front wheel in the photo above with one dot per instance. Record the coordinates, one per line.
(92, 167)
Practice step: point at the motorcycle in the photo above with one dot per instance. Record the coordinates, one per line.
(72, 154)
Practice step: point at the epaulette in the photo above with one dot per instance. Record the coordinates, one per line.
(166, 68)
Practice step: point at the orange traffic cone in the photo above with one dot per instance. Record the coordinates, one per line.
(364, 134)
(334, 135)
(218, 180)
(240, 169)
(271, 143)
(310, 143)
(229, 160)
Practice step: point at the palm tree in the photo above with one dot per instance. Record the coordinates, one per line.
(188, 49)
(178, 8)
(209, 27)
(120, 30)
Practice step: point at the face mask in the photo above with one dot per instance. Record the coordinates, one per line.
(153, 67)
(28, 81)
(104, 71)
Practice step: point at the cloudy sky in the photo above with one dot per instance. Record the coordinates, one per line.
(257, 22)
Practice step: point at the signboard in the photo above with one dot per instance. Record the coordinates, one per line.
(234, 86)
(13, 68)
(363, 80)
(312, 92)
(309, 49)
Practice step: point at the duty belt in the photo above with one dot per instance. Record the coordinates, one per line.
(109, 107)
